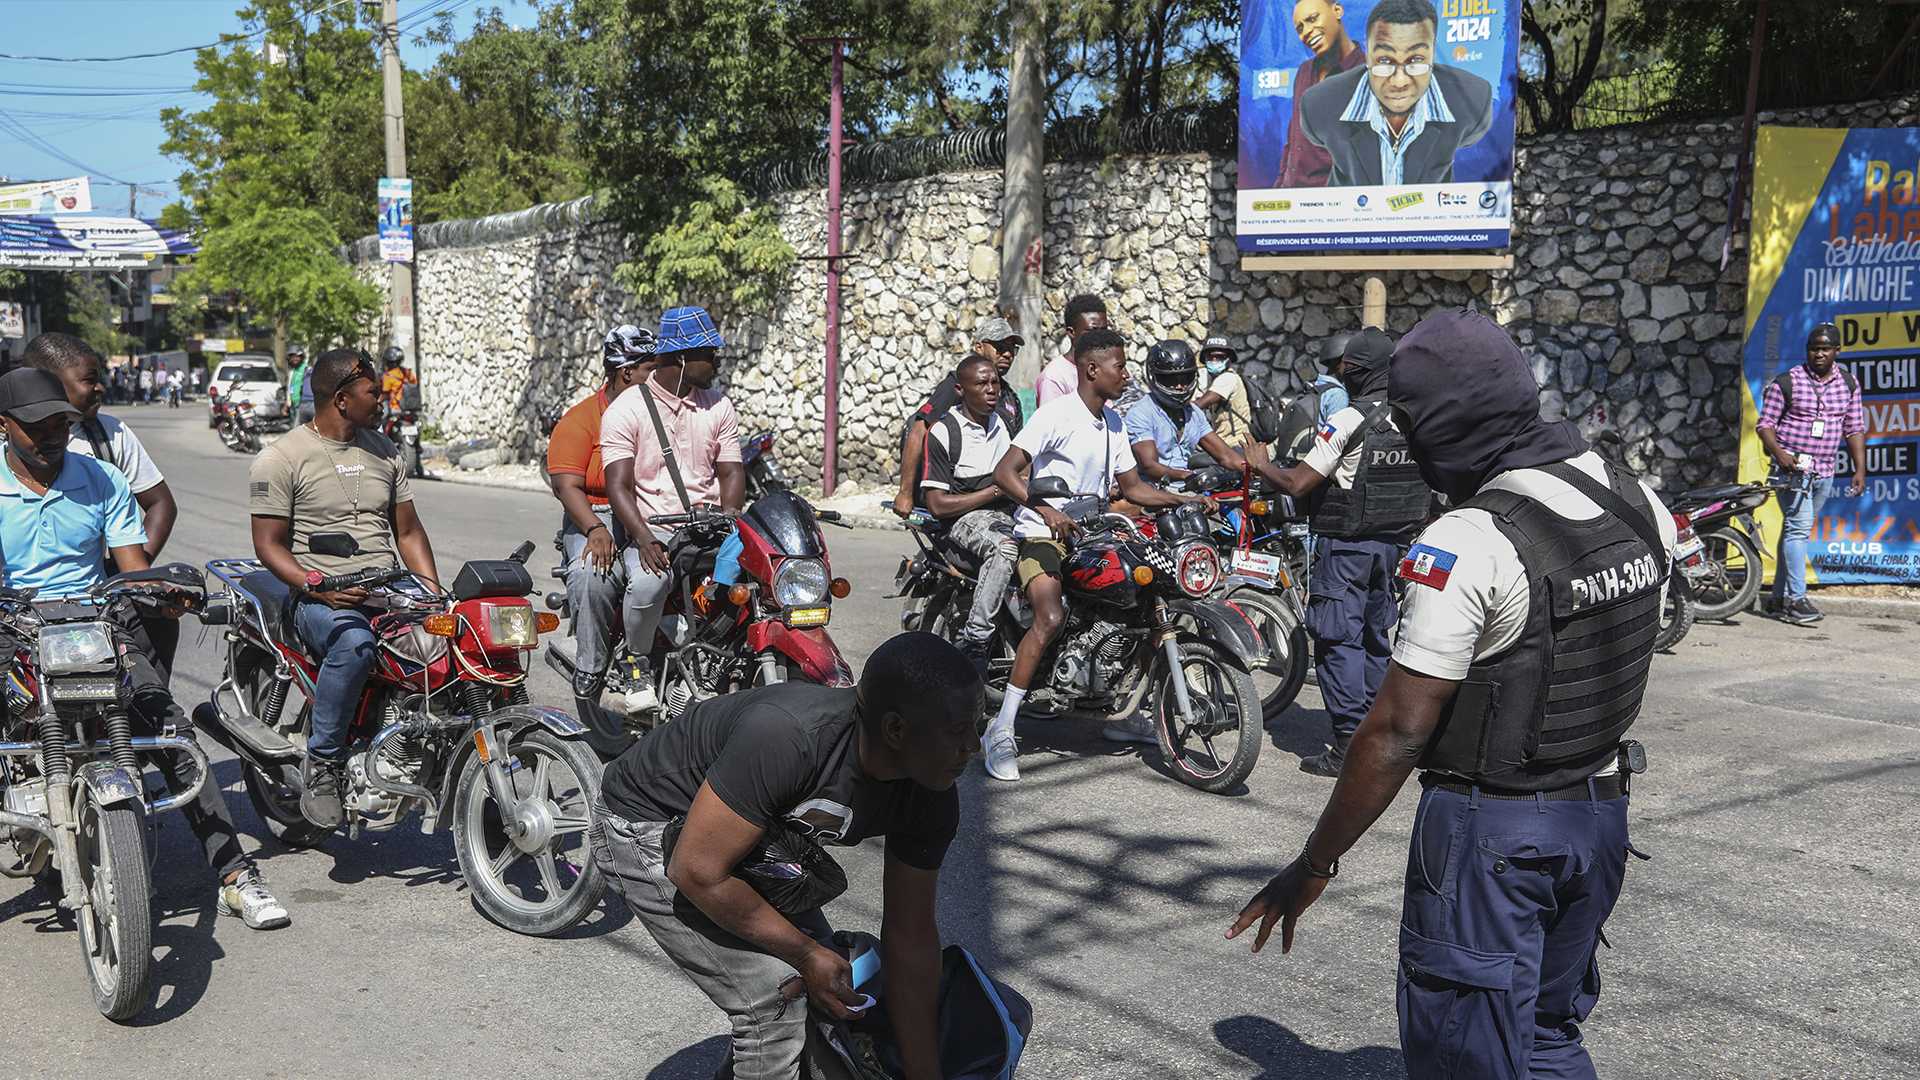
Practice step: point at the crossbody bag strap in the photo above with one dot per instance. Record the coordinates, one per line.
(1611, 501)
(96, 433)
(666, 447)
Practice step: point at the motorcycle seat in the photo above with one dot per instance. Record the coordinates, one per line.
(1713, 493)
(274, 599)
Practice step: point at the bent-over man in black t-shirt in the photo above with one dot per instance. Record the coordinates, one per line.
(840, 765)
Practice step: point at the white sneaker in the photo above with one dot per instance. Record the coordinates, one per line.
(640, 697)
(1134, 728)
(1003, 759)
(248, 898)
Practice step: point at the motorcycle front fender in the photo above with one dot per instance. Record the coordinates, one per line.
(1225, 624)
(819, 658)
(502, 727)
(110, 784)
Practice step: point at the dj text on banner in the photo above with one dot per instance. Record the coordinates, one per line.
(1334, 155)
(1836, 238)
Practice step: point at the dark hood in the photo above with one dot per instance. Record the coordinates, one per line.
(1474, 407)
(1369, 358)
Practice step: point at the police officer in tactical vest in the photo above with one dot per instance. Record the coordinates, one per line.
(1529, 621)
(1365, 498)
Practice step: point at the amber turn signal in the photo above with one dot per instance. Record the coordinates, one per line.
(442, 625)
(840, 588)
(1258, 508)
(546, 622)
(740, 594)
(1143, 575)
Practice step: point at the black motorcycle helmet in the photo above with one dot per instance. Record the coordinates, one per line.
(1333, 349)
(392, 356)
(1171, 374)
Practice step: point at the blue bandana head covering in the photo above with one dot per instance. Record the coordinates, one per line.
(684, 328)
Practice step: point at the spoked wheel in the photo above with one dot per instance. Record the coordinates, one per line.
(1733, 578)
(1279, 678)
(531, 869)
(1215, 748)
(116, 925)
(1676, 614)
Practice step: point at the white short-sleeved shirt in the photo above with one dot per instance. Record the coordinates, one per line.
(1329, 455)
(1066, 440)
(966, 468)
(1476, 603)
(129, 456)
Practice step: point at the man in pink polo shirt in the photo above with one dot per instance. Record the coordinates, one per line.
(700, 425)
(1060, 378)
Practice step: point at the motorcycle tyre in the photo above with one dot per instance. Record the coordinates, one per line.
(410, 459)
(944, 624)
(1249, 732)
(1676, 614)
(249, 441)
(281, 814)
(1294, 676)
(1743, 597)
(112, 846)
(472, 796)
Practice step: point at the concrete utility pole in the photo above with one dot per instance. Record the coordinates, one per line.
(401, 295)
(1023, 206)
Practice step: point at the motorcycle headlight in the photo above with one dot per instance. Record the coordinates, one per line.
(75, 648)
(800, 582)
(512, 626)
(1199, 569)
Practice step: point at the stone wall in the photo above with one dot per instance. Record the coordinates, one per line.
(1617, 297)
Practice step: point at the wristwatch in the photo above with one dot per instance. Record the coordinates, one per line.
(1307, 861)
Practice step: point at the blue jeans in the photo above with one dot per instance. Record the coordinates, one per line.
(1503, 907)
(345, 639)
(1797, 511)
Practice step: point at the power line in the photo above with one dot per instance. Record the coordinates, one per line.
(224, 40)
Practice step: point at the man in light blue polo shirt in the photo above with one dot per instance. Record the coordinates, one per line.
(1167, 428)
(61, 514)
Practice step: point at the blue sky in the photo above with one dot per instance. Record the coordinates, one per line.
(104, 118)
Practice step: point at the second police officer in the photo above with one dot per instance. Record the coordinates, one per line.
(1520, 665)
(1366, 499)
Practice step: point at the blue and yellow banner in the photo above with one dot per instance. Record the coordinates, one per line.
(1836, 238)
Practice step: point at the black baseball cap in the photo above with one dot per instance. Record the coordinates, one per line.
(30, 395)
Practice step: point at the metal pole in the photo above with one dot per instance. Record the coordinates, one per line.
(830, 443)
(1746, 138)
(400, 293)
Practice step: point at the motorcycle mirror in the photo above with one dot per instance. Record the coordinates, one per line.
(1049, 487)
(337, 544)
(522, 553)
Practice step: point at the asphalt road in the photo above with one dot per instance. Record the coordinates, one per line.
(1773, 934)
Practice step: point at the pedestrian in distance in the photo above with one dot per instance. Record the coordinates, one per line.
(1512, 688)
(797, 765)
(1061, 376)
(1805, 415)
(299, 390)
(146, 386)
(995, 339)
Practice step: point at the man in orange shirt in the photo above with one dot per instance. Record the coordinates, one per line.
(397, 376)
(600, 564)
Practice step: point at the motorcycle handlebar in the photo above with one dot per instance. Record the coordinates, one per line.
(360, 579)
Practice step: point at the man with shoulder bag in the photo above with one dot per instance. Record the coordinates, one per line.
(710, 829)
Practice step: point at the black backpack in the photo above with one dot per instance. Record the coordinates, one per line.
(1298, 423)
(1264, 420)
(1784, 381)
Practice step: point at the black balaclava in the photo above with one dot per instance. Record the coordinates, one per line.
(1473, 404)
(1369, 357)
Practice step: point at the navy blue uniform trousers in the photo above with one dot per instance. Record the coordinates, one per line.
(1502, 913)
(1350, 608)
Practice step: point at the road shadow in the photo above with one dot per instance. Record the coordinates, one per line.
(696, 1062)
(1300, 731)
(183, 962)
(1282, 1055)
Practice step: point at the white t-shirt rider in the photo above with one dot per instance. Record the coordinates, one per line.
(1065, 439)
(1468, 591)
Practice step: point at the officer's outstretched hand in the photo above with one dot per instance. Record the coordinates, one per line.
(1285, 898)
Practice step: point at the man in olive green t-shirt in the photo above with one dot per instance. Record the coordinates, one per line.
(335, 474)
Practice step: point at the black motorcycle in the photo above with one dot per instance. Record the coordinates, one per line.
(402, 428)
(1138, 610)
(764, 476)
(1725, 575)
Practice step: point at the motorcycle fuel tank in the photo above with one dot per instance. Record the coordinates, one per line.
(1103, 572)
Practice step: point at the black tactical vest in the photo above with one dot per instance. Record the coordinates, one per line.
(1387, 497)
(1545, 713)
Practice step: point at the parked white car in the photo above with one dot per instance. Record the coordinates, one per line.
(259, 384)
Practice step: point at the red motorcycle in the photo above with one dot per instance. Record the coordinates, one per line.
(234, 421)
(766, 625)
(443, 727)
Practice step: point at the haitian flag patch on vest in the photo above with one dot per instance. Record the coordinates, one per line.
(1328, 431)
(1427, 565)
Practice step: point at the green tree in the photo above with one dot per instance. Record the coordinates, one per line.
(285, 261)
